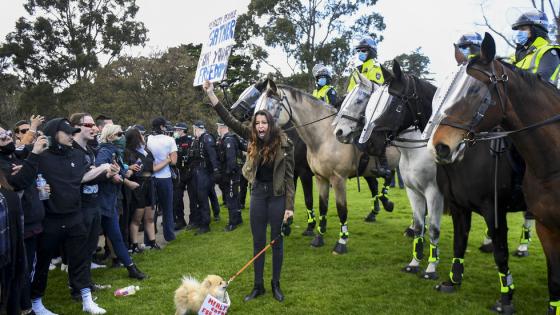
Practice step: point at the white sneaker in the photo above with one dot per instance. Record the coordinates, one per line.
(64, 267)
(43, 311)
(52, 266)
(56, 261)
(93, 308)
(97, 266)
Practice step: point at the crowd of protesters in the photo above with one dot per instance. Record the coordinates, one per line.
(78, 191)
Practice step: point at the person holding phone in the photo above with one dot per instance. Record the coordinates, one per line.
(270, 170)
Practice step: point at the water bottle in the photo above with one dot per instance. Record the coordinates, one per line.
(41, 184)
(130, 290)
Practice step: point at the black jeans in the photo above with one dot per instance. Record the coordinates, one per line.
(72, 238)
(30, 249)
(266, 209)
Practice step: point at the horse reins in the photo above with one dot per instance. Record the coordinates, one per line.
(288, 108)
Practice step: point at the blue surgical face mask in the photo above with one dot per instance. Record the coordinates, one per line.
(465, 51)
(521, 37)
(362, 56)
(322, 81)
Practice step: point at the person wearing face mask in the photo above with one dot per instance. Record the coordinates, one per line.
(534, 51)
(111, 151)
(367, 53)
(183, 141)
(270, 170)
(324, 90)
(206, 172)
(65, 169)
(469, 45)
(21, 168)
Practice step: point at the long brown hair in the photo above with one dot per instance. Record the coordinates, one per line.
(268, 146)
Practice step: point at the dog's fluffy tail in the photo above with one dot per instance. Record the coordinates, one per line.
(190, 281)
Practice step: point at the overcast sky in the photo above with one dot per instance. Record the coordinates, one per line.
(431, 24)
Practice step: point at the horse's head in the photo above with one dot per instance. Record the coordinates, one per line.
(349, 119)
(274, 100)
(476, 101)
(244, 107)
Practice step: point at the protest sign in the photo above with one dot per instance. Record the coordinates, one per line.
(213, 306)
(212, 64)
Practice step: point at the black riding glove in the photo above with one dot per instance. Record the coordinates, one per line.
(286, 227)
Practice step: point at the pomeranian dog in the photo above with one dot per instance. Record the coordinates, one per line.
(190, 295)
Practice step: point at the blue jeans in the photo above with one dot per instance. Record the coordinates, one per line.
(164, 191)
(111, 227)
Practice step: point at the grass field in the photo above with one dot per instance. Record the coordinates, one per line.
(367, 280)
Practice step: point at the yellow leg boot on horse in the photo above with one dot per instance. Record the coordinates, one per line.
(455, 277)
(311, 223)
(318, 241)
(504, 305)
(340, 247)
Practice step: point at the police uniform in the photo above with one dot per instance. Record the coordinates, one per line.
(183, 145)
(324, 91)
(371, 70)
(541, 57)
(243, 183)
(204, 166)
(230, 157)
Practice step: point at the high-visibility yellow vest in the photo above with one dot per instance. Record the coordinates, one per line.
(532, 60)
(370, 70)
(321, 93)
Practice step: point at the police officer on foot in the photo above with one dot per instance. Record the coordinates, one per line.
(206, 170)
(324, 90)
(229, 155)
(183, 141)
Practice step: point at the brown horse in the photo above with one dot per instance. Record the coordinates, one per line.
(500, 94)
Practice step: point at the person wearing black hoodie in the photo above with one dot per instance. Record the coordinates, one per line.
(20, 174)
(65, 169)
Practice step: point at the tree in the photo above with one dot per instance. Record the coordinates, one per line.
(544, 6)
(415, 63)
(308, 31)
(61, 40)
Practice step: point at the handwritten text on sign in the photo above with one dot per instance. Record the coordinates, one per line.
(215, 52)
(212, 306)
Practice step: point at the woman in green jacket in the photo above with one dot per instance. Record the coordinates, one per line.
(270, 170)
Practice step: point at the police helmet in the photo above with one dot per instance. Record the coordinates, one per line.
(533, 17)
(320, 70)
(367, 42)
(471, 39)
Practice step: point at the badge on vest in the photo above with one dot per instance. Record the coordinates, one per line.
(378, 76)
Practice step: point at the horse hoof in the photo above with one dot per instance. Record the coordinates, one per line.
(411, 269)
(500, 308)
(340, 249)
(429, 275)
(371, 217)
(487, 248)
(308, 233)
(447, 287)
(318, 241)
(409, 232)
(521, 253)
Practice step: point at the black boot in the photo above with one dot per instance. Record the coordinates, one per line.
(258, 290)
(276, 292)
(135, 273)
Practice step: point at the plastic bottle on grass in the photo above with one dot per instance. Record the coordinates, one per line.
(130, 290)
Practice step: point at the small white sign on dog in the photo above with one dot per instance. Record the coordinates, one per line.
(213, 306)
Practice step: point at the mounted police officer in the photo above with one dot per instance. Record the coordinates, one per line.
(184, 142)
(367, 53)
(205, 169)
(230, 157)
(324, 90)
(469, 45)
(534, 51)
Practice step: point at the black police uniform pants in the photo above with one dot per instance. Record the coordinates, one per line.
(204, 185)
(243, 184)
(194, 212)
(230, 191)
(266, 209)
(72, 239)
(178, 204)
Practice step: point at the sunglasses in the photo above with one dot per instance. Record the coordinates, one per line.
(87, 125)
(23, 131)
(5, 135)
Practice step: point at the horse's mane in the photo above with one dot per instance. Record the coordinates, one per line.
(532, 79)
(300, 95)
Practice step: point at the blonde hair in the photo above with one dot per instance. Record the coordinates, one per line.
(108, 131)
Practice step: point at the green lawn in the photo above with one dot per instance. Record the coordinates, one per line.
(367, 280)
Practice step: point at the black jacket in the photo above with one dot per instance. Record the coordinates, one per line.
(90, 189)
(24, 181)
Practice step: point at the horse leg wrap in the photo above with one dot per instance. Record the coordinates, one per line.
(434, 253)
(457, 269)
(376, 207)
(506, 283)
(343, 231)
(554, 308)
(525, 236)
(322, 228)
(311, 217)
(418, 248)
